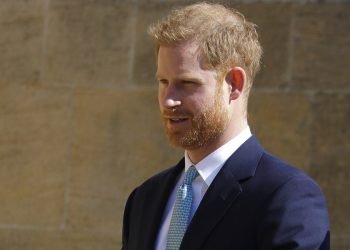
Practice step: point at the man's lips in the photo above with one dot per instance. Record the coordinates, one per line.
(176, 122)
(177, 119)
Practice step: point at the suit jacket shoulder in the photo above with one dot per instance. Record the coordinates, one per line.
(293, 212)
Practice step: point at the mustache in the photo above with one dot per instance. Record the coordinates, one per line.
(177, 112)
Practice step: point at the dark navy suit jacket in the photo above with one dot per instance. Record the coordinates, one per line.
(255, 202)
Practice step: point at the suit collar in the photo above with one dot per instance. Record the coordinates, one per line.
(243, 163)
(224, 190)
(210, 165)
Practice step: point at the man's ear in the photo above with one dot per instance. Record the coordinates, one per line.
(236, 79)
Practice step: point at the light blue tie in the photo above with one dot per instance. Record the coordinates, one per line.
(182, 209)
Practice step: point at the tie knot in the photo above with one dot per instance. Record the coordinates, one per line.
(191, 174)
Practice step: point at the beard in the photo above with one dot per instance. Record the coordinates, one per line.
(206, 126)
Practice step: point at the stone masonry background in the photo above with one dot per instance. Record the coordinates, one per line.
(80, 128)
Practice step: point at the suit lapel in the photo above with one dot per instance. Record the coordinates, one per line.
(157, 203)
(212, 208)
(222, 193)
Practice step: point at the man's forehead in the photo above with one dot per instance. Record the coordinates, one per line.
(189, 50)
(191, 47)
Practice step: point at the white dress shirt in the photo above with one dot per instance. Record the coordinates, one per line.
(207, 169)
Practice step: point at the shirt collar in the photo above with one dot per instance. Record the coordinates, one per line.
(212, 163)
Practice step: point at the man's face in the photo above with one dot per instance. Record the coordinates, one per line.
(194, 106)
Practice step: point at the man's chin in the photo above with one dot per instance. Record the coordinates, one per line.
(176, 140)
(183, 141)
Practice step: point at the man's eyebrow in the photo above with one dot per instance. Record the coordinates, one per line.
(190, 78)
(181, 77)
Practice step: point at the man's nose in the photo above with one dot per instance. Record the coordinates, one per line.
(171, 98)
(171, 103)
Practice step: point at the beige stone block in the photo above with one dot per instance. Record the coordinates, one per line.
(118, 143)
(281, 123)
(144, 67)
(21, 26)
(340, 242)
(91, 240)
(31, 239)
(56, 239)
(96, 212)
(330, 152)
(321, 47)
(273, 26)
(33, 154)
(88, 43)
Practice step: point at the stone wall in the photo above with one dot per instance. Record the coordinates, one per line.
(79, 123)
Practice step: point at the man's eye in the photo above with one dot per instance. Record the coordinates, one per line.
(162, 81)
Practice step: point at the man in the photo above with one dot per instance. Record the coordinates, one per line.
(227, 192)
